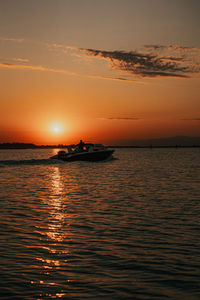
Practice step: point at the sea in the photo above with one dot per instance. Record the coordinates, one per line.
(125, 228)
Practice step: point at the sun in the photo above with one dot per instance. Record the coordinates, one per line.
(56, 128)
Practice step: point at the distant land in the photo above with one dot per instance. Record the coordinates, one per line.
(177, 141)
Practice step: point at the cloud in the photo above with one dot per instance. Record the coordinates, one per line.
(147, 64)
(23, 66)
(121, 118)
(122, 79)
(151, 61)
(192, 119)
(21, 60)
(35, 68)
(62, 71)
(176, 48)
(11, 39)
(66, 49)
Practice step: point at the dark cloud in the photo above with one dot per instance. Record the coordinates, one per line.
(171, 58)
(193, 119)
(118, 79)
(147, 64)
(122, 118)
(171, 47)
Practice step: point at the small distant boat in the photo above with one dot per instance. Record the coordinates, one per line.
(84, 152)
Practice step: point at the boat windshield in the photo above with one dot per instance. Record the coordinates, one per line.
(86, 147)
(99, 147)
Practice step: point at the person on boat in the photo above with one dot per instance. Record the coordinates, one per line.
(80, 146)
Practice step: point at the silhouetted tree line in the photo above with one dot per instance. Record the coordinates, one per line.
(27, 146)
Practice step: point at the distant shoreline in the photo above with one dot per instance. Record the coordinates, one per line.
(152, 146)
(10, 146)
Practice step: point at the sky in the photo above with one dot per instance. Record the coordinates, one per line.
(107, 71)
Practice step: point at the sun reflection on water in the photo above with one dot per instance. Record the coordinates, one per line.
(56, 215)
(55, 228)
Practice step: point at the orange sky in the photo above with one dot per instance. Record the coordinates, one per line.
(106, 72)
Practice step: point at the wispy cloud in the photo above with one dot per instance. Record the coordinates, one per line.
(144, 64)
(21, 60)
(122, 79)
(192, 119)
(22, 66)
(176, 48)
(35, 68)
(11, 39)
(121, 118)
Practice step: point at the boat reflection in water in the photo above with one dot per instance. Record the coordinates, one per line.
(84, 151)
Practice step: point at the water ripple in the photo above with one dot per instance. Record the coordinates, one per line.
(124, 229)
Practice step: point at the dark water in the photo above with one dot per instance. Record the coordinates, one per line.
(121, 229)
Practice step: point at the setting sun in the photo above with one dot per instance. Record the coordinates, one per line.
(56, 128)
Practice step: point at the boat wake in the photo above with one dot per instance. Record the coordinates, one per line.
(29, 162)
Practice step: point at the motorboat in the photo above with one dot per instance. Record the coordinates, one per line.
(85, 152)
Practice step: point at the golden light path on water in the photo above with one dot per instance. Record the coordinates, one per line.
(57, 229)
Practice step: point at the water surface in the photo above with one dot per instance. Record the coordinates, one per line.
(120, 229)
